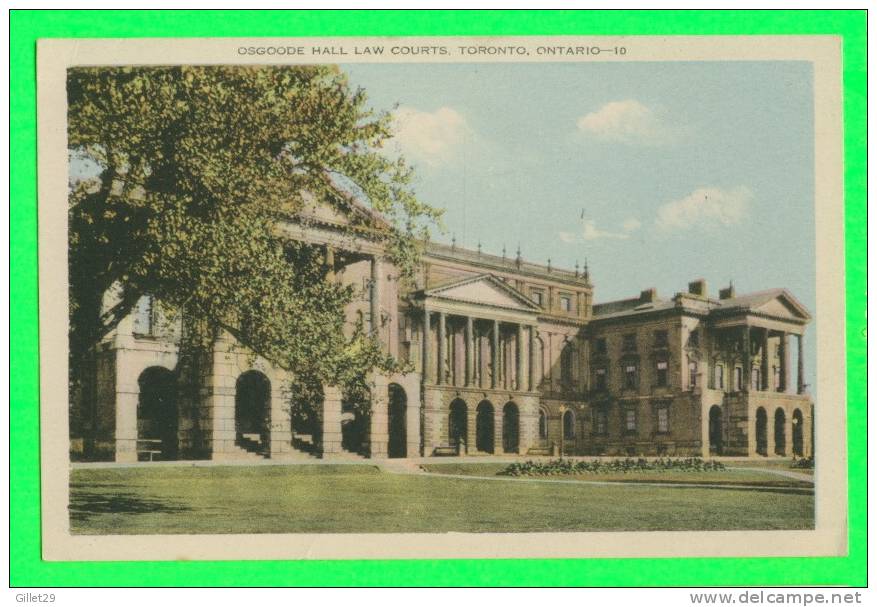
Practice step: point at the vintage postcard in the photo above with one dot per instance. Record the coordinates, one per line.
(441, 297)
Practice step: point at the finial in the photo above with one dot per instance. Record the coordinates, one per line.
(549, 264)
(453, 241)
(518, 256)
(479, 247)
(503, 250)
(577, 268)
(586, 274)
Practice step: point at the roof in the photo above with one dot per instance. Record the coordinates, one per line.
(472, 290)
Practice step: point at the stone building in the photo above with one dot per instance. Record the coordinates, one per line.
(508, 356)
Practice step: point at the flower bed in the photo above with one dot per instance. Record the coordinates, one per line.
(569, 467)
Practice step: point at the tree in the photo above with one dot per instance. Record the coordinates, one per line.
(197, 165)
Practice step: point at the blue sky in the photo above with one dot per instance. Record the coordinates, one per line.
(656, 173)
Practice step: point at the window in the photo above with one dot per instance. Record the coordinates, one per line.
(661, 339)
(144, 316)
(692, 373)
(536, 296)
(565, 303)
(777, 382)
(630, 420)
(629, 343)
(600, 346)
(756, 378)
(738, 379)
(543, 424)
(601, 419)
(720, 378)
(600, 379)
(694, 339)
(566, 365)
(630, 376)
(663, 419)
(569, 426)
(661, 373)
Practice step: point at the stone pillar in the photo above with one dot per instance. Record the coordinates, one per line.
(520, 382)
(279, 422)
(330, 263)
(765, 360)
(412, 423)
(375, 297)
(219, 417)
(127, 396)
(747, 359)
(470, 352)
(531, 356)
(471, 427)
(497, 428)
(427, 347)
(801, 383)
(771, 428)
(331, 442)
(785, 360)
(787, 433)
(442, 349)
(494, 355)
(379, 430)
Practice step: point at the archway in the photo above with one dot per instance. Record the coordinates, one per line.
(157, 414)
(715, 430)
(761, 431)
(458, 423)
(569, 425)
(779, 432)
(251, 406)
(396, 424)
(798, 433)
(510, 428)
(484, 427)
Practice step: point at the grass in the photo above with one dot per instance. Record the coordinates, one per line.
(775, 464)
(721, 477)
(360, 498)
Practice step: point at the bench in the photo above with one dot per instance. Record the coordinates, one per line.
(149, 447)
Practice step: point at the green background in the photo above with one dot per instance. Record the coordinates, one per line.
(26, 568)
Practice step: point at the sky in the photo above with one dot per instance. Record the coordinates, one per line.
(656, 173)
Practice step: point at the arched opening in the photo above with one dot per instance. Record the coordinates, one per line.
(715, 430)
(458, 424)
(306, 404)
(798, 433)
(251, 407)
(779, 432)
(543, 424)
(355, 427)
(510, 428)
(484, 427)
(396, 423)
(157, 415)
(567, 357)
(569, 425)
(761, 431)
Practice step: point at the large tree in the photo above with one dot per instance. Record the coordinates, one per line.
(196, 165)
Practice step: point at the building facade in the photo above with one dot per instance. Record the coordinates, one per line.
(506, 357)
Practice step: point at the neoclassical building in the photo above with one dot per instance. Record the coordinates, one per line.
(508, 357)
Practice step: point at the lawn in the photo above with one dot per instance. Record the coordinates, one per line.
(728, 476)
(362, 498)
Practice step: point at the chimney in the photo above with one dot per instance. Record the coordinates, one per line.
(697, 287)
(727, 292)
(649, 295)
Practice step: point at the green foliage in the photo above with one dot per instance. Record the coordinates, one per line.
(628, 465)
(804, 463)
(197, 166)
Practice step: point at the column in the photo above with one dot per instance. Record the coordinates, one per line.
(519, 354)
(427, 373)
(785, 361)
(470, 352)
(375, 299)
(532, 358)
(747, 360)
(331, 420)
(126, 423)
(442, 348)
(765, 360)
(379, 430)
(494, 355)
(801, 383)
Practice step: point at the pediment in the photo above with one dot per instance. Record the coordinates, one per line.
(484, 290)
(783, 306)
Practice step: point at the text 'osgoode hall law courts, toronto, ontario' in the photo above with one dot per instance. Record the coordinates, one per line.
(507, 356)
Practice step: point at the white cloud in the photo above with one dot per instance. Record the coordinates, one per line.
(705, 207)
(590, 231)
(431, 138)
(627, 121)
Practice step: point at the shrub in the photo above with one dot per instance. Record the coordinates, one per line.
(804, 463)
(557, 467)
